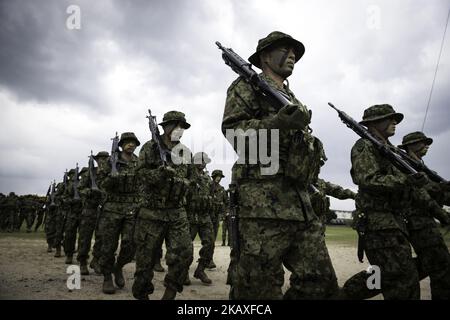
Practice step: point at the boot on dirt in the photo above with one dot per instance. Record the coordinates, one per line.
(200, 274)
(58, 252)
(49, 248)
(84, 268)
(158, 267)
(108, 286)
(69, 259)
(187, 281)
(212, 265)
(118, 276)
(169, 294)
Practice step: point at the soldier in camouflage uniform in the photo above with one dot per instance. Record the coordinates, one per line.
(118, 216)
(219, 207)
(102, 161)
(276, 221)
(162, 216)
(72, 220)
(424, 234)
(40, 213)
(11, 207)
(3, 216)
(27, 212)
(51, 218)
(91, 199)
(432, 253)
(62, 210)
(381, 198)
(199, 203)
(321, 189)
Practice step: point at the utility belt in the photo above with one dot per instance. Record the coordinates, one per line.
(163, 203)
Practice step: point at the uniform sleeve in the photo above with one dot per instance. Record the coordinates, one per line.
(337, 191)
(368, 174)
(147, 167)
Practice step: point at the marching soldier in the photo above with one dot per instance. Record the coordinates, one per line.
(118, 216)
(277, 225)
(162, 217)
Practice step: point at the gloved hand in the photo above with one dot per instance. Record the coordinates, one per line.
(418, 179)
(167, 171)
(292, 116)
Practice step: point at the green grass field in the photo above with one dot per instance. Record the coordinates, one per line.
(343, 235)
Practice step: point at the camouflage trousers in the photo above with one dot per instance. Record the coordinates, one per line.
(50, 225)
(28, 216)
(71, 228)
(206, 233)
(391, 252)
(39, 219)
(116, 222)
(225, 231)
(149, 238)
(268, 244)
(215, 224)
(61, 214)
(85, 232)
(96, 249)
(434, 260)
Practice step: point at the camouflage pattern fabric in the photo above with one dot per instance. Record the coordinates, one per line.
(91, 199)
(118, 216)
(381, 198)
(199, 213)
(72, 219)
(161, 217)
(270, 203)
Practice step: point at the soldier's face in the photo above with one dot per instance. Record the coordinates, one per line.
(217, 179)
(419, 148)
(129, 146)
(386, 127)
(280, 60)
(102, 163)
(176, 133)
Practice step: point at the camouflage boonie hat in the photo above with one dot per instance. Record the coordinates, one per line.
(415, 137)
(379, 112)
(201, 157)
(217, 173)
(71, 172)
(128, 136)
(83, 170)
(101, 154)
(175, 116)
(276, 37)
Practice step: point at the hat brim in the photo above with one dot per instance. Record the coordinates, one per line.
(299, 49)
(215, 175)
(184, 124)
(397, 116)
(129, 139)
(428, 141)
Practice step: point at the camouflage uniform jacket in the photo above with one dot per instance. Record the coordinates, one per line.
(90, 198)
(122, 188)
(156, 191)
(199, 197)
(319, 199)
(298, 157)
(219, 200)
(381, 187)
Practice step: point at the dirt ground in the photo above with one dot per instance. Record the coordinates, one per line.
(27, 271)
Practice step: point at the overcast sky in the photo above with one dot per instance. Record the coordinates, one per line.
(66, 91)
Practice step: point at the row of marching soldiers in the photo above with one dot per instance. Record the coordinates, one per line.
(15, 210)
(140, 202)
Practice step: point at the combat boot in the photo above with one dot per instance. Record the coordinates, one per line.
(83, 268)
(118, 276)
(28, 230)
(58, 252)
(223, 243)
(69, 259)
(158, 267)
(169, 294)
(108, 286)
(49, 248)
(200, 274)
(187, 281)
